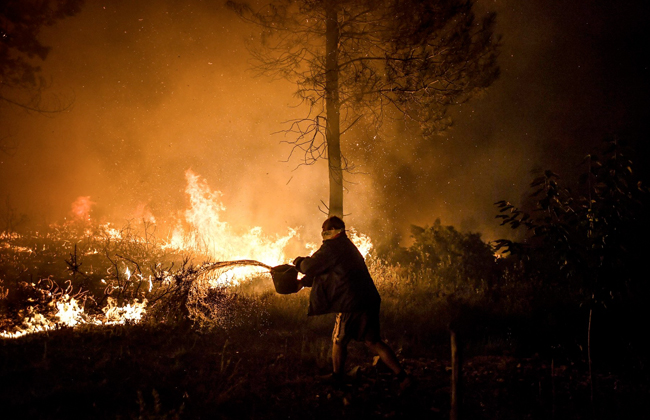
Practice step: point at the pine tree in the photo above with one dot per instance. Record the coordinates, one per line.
(360, 60)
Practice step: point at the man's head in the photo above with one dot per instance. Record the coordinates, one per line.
(332, 227)
(333, 222)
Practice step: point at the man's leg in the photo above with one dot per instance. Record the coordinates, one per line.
(339, 345)
(386, 355)
(339, 354)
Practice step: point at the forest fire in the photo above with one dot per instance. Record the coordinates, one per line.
(127, 290)
(124, 287)
(203, 232)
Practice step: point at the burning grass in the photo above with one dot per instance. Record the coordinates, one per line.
(99, 275)
(79, 274)
(84, 273)
(103, 277)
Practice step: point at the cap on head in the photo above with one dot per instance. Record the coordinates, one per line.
(333, 222)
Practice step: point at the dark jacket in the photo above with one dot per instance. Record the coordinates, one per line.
(339, 279)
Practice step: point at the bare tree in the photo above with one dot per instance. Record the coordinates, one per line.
(361, 60)
(21, 81)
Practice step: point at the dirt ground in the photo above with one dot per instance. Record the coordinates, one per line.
(145, 373)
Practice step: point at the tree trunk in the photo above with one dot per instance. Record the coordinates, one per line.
(332, 105)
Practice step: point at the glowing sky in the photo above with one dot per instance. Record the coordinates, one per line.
(163, 86)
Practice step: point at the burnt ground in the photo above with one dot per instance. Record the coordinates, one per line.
(165, 373)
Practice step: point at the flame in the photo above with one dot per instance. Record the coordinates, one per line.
(16, 248)
(111, 232)
(71, 314)
(124, 314)
(69, 311)
(361, 241)
(208, 234)
(81, 208)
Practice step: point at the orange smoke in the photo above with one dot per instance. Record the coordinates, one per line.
(143, 213)
(81, 208)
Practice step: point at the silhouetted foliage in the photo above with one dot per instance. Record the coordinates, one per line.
(21, 81)
(589, 246)
(462, 260)
(589, 236)
(463, 256)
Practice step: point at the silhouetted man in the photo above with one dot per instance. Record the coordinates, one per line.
(340, 283)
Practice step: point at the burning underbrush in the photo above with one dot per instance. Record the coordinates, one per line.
(69, 276)
(208, 273)
(106, 276)
(76, 275)
(84, 273)
(253, 353)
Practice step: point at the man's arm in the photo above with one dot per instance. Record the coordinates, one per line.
(318, 263)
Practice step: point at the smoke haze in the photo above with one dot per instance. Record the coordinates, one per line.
(160, 87)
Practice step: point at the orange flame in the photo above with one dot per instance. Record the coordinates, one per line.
(81, 208)
(71, 314)
(209, 235)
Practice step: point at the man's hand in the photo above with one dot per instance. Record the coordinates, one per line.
(297, 262)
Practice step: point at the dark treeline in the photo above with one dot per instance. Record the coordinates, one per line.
(573, 284)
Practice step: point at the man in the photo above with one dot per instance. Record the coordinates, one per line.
(340, 283)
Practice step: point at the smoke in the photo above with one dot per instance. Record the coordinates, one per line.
(158, 88)
(163, 87)
(571, 75)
